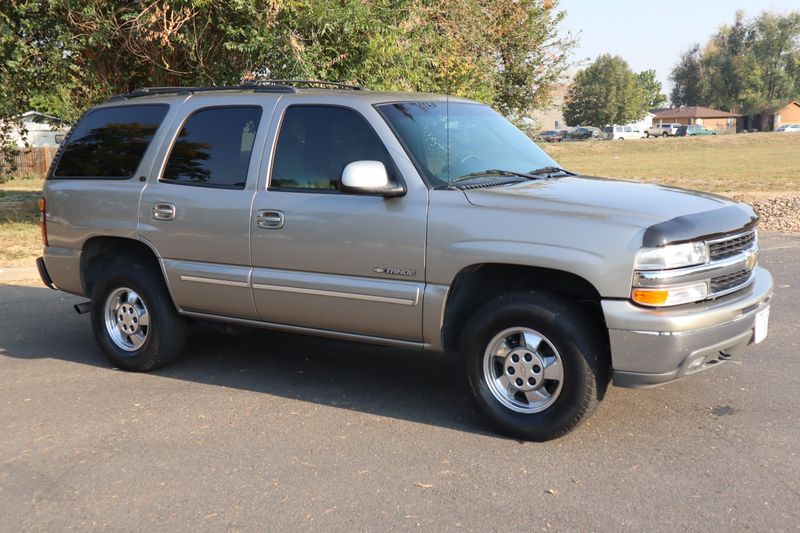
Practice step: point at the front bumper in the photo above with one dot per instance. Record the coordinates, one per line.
(653, 346)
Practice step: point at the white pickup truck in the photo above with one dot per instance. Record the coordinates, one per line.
(662, 130)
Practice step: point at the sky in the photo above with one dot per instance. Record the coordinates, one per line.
(649, 34)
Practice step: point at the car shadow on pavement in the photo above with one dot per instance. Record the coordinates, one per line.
(422, 387)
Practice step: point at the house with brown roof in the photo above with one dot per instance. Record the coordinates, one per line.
(713, 119)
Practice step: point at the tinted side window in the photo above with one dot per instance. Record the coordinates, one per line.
(627, 129)
(110, 142)
(317, 142)
(213, 148)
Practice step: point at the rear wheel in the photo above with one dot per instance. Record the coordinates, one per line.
(665, 134)
(134, 320)
(621, 139)
(535, 364)
(646, 135)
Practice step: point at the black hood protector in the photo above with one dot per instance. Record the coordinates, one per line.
(705, 225)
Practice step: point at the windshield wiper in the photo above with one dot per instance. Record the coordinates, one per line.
(494, 172)
(550, 170)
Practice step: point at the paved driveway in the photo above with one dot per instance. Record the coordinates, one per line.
(266, 431)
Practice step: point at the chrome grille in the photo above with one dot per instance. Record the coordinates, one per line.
(729, 282)
(730, 246)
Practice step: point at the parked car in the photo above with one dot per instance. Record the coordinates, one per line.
(662, 130)
(551, 136)
(583, 133)
(694, 130)
(620, 133)
(789, 128)
(410, 220)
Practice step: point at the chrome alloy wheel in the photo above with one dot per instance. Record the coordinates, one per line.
(523, 370)
(126, 318)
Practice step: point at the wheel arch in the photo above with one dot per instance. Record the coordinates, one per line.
(98, 253)
(476, 284)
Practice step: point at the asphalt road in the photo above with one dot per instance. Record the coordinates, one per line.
(266, 431)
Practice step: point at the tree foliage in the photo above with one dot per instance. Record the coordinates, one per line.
(688, 83)
(648, 82)
(609, 92)
(752, 66)
(64, 55)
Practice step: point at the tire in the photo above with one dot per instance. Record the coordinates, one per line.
(566, 374)
(665, 134)
(134, 320)
(621, 139)
(646, 135)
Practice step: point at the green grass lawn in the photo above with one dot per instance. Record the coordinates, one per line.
(748, 165)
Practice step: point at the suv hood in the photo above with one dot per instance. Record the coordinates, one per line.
(668, 214)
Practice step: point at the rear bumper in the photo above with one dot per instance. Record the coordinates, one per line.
(42, 268)
(650, 347)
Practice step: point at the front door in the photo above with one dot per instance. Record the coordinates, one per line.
(330, 260)
(196, 209)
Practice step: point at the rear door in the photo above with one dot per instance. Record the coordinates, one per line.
(94, 184)
(195, 208)
(330, 260)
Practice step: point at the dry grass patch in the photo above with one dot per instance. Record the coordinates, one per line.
(20, 236)
(761, 164)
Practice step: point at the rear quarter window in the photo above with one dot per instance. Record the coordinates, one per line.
(109, 143)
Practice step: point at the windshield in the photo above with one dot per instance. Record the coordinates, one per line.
(479, 139)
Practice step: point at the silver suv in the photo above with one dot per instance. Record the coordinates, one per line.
(412, 220)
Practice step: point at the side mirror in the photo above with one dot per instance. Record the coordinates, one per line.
(368, 177)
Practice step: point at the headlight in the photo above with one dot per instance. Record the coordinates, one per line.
(672, 256)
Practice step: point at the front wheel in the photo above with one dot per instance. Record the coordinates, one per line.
(646, 135)
(665, 135)
(535, 364)
(134, 320)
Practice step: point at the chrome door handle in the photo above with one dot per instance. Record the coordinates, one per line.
(269, 219)
(163, 211)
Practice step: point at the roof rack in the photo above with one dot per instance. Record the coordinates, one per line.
(259, 86)
(307, 83)
(151, 91)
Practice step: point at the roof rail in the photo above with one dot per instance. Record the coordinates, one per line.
(308, 83)
(151, 91)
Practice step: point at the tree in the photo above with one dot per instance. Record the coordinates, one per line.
(67, 55)
(606, 92)
(775, 53)
(726, 65)
(750, 66)
(26, 37)
(688, 82)
(652, 89)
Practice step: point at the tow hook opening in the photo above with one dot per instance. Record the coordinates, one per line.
(83, 308)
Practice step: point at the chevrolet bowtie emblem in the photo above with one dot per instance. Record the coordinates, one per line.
(752, 259)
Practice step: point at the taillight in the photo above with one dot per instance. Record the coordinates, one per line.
(43, 210)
